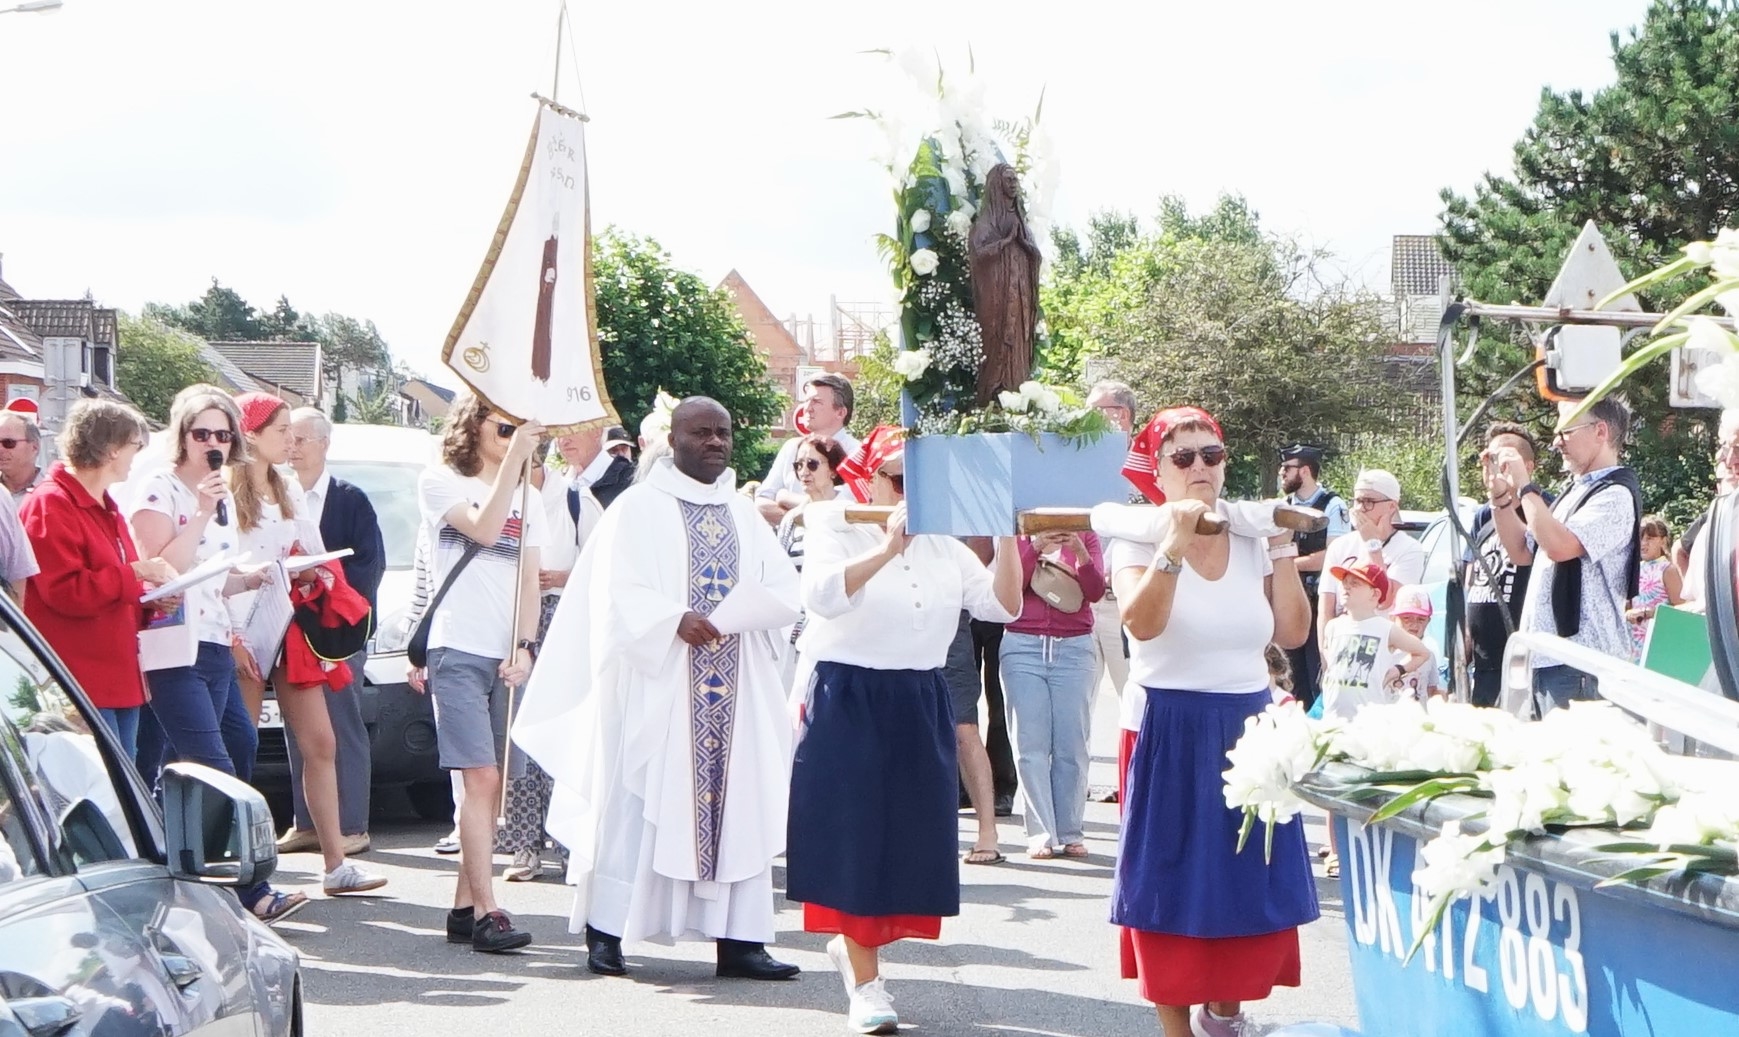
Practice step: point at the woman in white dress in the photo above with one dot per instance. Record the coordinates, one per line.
(269, 510)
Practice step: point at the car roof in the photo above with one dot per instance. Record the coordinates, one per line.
(387, 443)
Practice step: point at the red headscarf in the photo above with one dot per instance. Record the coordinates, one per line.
(1141, 467)
(883, 444)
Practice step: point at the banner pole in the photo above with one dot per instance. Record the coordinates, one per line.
(513, 640)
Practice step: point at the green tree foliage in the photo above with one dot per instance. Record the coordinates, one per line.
(366, 409)
(662, 328)
(154, 361)
(1653, 160)
(876, 389)
(1210, 310)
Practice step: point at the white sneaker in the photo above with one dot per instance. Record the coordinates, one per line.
(1205, 1024)
(448, 844)
(348, 878)
(527, 865)
(872, 1009)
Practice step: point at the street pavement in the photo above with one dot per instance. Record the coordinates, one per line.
(1031, 953)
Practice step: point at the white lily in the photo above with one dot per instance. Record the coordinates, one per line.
(1013, 402)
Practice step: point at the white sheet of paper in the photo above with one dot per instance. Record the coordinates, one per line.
(750, 606)
(269, 619)
(209, 569)
(297, 563)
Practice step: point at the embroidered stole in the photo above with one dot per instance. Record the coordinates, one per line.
(714, 557)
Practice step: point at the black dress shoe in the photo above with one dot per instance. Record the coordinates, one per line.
(604, 953)
(1004, 804)
(740, 959)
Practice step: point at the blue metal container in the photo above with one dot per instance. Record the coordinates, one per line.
(1546, 953)
(973, 485)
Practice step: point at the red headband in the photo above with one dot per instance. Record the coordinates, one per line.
(882, 445)
(1141, 467)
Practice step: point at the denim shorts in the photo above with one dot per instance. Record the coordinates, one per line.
(471, 714)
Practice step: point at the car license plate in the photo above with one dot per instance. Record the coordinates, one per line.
(269, 715)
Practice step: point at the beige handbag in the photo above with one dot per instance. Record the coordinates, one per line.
(1056, 584)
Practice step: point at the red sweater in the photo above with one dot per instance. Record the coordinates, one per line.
(1038, 616)
(86, 598)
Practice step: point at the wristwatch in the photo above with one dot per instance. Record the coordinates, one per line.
(530, 646)
(1530, 488)
(1164, 563)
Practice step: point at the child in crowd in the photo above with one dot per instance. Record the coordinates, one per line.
(1661, 583)
(1412, 613)
(1279, 675)
(1360, 649)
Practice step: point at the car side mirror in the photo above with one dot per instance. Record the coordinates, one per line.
(219, 828)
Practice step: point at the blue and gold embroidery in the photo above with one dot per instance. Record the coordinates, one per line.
(713, 558)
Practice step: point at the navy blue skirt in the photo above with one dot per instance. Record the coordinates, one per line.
(874, 795)
(1178, 869)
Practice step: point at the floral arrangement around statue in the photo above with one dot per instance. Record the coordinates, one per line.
(971, 198)
(1587, 765)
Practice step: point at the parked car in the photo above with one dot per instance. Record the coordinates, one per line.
(113, 919)
(384, 462)
(1442, 561)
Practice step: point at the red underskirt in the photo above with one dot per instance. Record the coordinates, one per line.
(876, 931)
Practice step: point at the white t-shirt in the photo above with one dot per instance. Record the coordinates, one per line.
(1216, 634)
(1403, 557)
(167, 495)
(278, 535)
(1355, 658)
(476, 616)
(781, 476)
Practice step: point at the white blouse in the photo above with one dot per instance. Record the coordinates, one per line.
(906, 616)
(275, 538)
(166, 494)
(1217, 631)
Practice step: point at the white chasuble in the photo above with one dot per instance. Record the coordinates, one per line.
(671, 763)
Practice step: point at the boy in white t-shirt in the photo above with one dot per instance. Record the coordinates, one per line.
(1361, 648)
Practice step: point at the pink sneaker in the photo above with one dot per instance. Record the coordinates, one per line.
(1204, 1023)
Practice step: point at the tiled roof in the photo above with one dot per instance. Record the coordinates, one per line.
(1416, 264)
(293, 365)
(444, 393)
(7, 291)
(17, 340)
(232, 377)
(62, 318)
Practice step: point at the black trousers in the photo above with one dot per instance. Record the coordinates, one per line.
(1306, 660)
(987, 650)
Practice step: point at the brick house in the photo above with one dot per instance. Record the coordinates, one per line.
(789, 363)
(42, 340)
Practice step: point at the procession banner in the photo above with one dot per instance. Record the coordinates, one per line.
(526, 339)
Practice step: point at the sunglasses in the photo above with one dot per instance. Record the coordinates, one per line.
(505, 429)
(897, 478)
(1212, 456)
(220, 435)
(807, 465)
(12, 444)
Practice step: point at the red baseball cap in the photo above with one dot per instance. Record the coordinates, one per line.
(23, 405)
(1368, 572)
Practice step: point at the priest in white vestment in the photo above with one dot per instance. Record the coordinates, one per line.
(669, 742)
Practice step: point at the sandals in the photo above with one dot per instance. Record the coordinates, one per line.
(1332, 868)
(991, 856)
(274, 907)
(1043, 853)
(1075, 850)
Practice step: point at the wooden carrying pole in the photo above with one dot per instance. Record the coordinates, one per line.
(1079, 520)
(524, 491)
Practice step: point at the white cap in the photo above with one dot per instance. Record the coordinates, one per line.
(1379, 482)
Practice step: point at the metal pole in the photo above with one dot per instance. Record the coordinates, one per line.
(555, 85)
(1451, 489)
(1565, 315)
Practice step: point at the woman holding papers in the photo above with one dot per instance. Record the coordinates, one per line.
(183, 514)
(85, 601)
(268, 515)
(872, 838)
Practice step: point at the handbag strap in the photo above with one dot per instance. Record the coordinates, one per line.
(470, 552)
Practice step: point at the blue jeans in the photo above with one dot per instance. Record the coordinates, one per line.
(1556, 686)
(125, 724)
(1049, 682)
(200, 718)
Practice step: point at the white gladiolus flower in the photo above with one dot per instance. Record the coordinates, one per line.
(920, 221)
(924, 262)
(1454, 865)
(1013, 402)
(1706, 334)
(1278, 747)
(1720, 383)
(1729, 301)
(1042, 398)
(1698, 819)
(956, 179)
(1700, 252)
(912, 363)
(1724, 253)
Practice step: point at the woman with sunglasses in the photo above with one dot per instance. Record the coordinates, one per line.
(817, 471)
(183, 514)
(270, 517)
(1204, 925)
(872, 838)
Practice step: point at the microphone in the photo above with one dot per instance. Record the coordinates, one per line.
(214, 458)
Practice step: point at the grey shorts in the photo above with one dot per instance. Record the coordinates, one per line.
(470, 711)
(965, 681)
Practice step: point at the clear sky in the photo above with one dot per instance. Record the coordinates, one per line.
(356, 154)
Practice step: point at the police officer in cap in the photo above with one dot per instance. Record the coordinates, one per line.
(1300, 468)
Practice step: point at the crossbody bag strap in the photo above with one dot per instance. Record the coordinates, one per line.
(447, 584)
